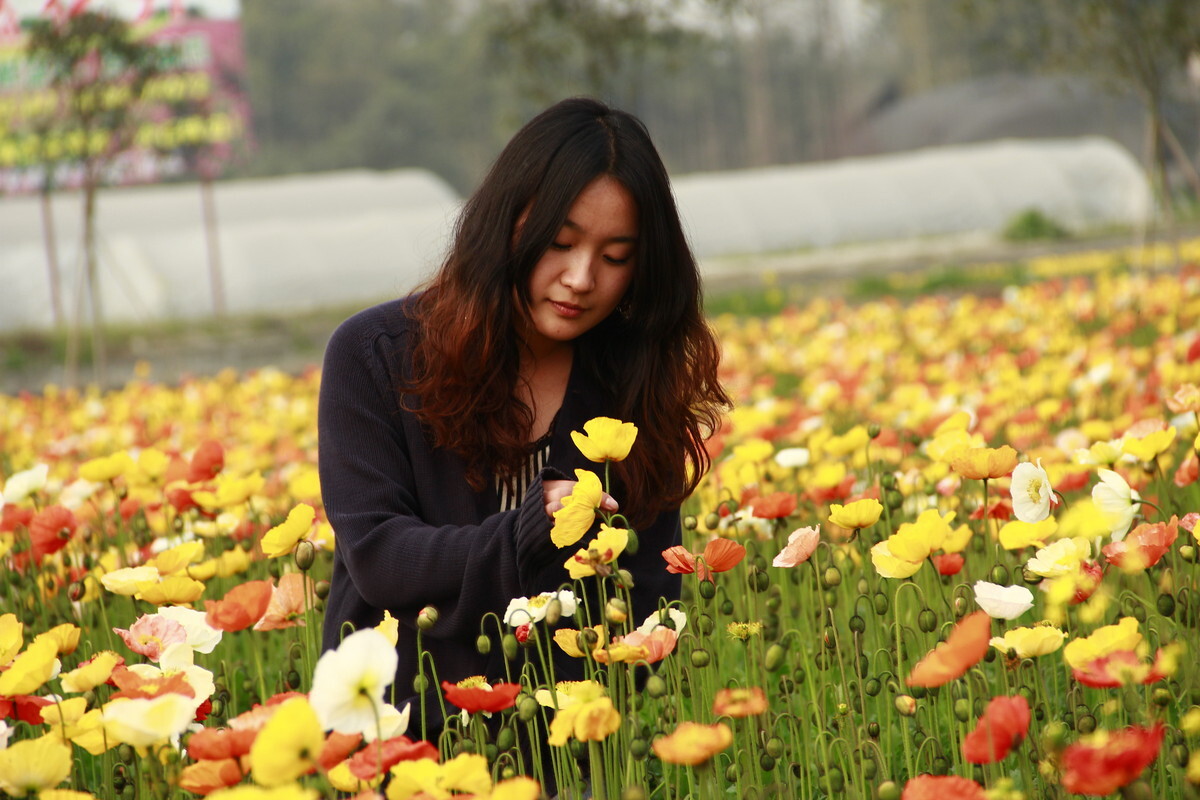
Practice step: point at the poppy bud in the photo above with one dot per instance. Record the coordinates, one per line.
(626, 578)
(906, 705)
(1000, 574)
(880, 602)
(427, 618)
(305, 555)
(700, 658)
(76, 591)
(872, 687)
(774, 657)
(420, 684)
(895, 500)
(616, 611)
(509, 645)
(873, 430)
(873, 730)
(483, 645)
(655, 686)
(927, 620)
(712, 520)
(631, 546)
(505, 739)
(553, 611)
(636, 792)
(766, 762)
(1166, 604)
(888, 481)
(322, 589)
(707, 589)
(832, 577)
(690, 522)
(1187, 553)
(527, 708)
(962, 709)
(888, 790)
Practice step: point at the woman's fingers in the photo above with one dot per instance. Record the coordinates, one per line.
(553, 493)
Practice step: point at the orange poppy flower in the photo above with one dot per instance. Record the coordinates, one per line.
(288, 602)
(1003, 726)
(1144, 546)
(367, 764)
(966, 645)
(773, 506)
(942, 787)
(1108, 760)
(1122, 668)
(205, 777)
(218, 744)
(207, 461)
(337, 747)
(719, 555)
(241, 607)
(693, 743)
(475, 694)
(740, 702)
(134, 686)
(948, 563)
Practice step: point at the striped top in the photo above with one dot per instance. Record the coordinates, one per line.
(539, 454)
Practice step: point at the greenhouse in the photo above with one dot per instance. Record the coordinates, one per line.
(302, 242)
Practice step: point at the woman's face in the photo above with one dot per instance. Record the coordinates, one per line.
(584, 274)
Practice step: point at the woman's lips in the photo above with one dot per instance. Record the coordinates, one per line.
(566, 309)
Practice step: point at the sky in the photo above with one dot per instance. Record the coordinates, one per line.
(129, 8)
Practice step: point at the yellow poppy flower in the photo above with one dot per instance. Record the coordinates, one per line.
(466, 772)
(31, 669)
(958, 539)
(1017, 535)
(288, 745)
(230, 491)
(568, 640)
(604, 549)
(578, 510)
(914, 541)
(389, 627)
(175, 590)
(32, 765)
(100, 470)
(1151, 446)
(64, 636)
(605, 439)
(280, 540)
(170, 562)
(982, 463)
(125, 581)
(889, 566)
(1029, 642)
(1109, 639)
(589, 716)
(859, 514)
(88, 676)
(11, 638)
(144, 722)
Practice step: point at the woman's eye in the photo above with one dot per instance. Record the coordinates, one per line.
(618, 261)
(559, 246)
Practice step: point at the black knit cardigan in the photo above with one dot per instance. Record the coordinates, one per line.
(410, 530)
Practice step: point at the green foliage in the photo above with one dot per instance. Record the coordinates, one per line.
(1032, 225)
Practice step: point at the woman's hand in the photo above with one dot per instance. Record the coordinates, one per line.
(553, 493)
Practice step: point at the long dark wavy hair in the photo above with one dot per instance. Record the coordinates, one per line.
(657, 355)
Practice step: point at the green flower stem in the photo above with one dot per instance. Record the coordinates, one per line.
(262, 680)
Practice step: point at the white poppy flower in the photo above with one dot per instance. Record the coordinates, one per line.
(678, 619)
(22, 484)
(392, 722)
(522, 610)
(349, 682)
(1114, 497)
(1032, 494)
(201, 636)
(793, 457)
(1003, 602)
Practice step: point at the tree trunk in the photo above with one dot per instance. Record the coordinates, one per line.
(213, 245)
(756, 77)
(96, 308)
(51, 244)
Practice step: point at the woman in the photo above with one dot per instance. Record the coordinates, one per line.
(445, 418)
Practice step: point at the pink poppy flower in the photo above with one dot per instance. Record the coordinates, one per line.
(801, 544)
(151, 635)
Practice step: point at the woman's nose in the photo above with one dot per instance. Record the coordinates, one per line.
(578, 274)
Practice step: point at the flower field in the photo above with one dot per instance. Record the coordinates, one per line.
(947, 548)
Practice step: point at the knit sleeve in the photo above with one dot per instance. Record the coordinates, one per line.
(395, 559)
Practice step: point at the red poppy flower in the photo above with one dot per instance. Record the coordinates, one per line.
(836, 493)
(203, 710)
(1073, 481)
(1120, 669)
(12, 517)
(337, 747)
(241, 607)
(1003, 726)
(719, 555)
(966, 645)
(207, 461)
(181, 499)
(1144, 546)
(206, 777)
(51, 529)
(1110, 760)
(476, 695)
(1001, 509)
(1091, 574)
(366, 764)
(949, 563)
(25, 707)
(216, 744)
(942, 787)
